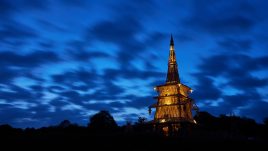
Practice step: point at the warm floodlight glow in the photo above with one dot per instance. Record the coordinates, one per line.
(173, 103)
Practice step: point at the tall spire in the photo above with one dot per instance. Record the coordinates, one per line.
(172, 74)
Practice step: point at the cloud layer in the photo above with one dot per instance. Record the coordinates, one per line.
(69, 59)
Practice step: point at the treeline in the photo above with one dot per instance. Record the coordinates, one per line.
(104, 133)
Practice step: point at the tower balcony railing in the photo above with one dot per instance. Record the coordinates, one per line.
(171, 95)
(173, 104)
(174, 120)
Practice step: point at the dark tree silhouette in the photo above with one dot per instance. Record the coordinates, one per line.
(265, 121)
(102, 121)
(204, 119)
(65, 123)
(141, 120)
(103, 133)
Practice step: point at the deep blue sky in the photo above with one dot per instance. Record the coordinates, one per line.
(68, 59)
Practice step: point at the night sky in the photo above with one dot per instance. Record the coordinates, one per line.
(68, 59)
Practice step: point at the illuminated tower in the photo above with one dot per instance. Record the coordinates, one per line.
(173, 106)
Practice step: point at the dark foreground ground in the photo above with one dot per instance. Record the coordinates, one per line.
(211, 133)
(85, 139)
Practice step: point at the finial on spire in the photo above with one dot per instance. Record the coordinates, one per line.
(171, 40)
(172, 75)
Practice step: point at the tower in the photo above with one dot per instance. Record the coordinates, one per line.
(174, 106)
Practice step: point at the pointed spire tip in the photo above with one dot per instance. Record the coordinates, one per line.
(171, 40)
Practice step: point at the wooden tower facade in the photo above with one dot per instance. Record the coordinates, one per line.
(173, 106)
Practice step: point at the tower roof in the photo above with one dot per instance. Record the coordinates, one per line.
(172, 74)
